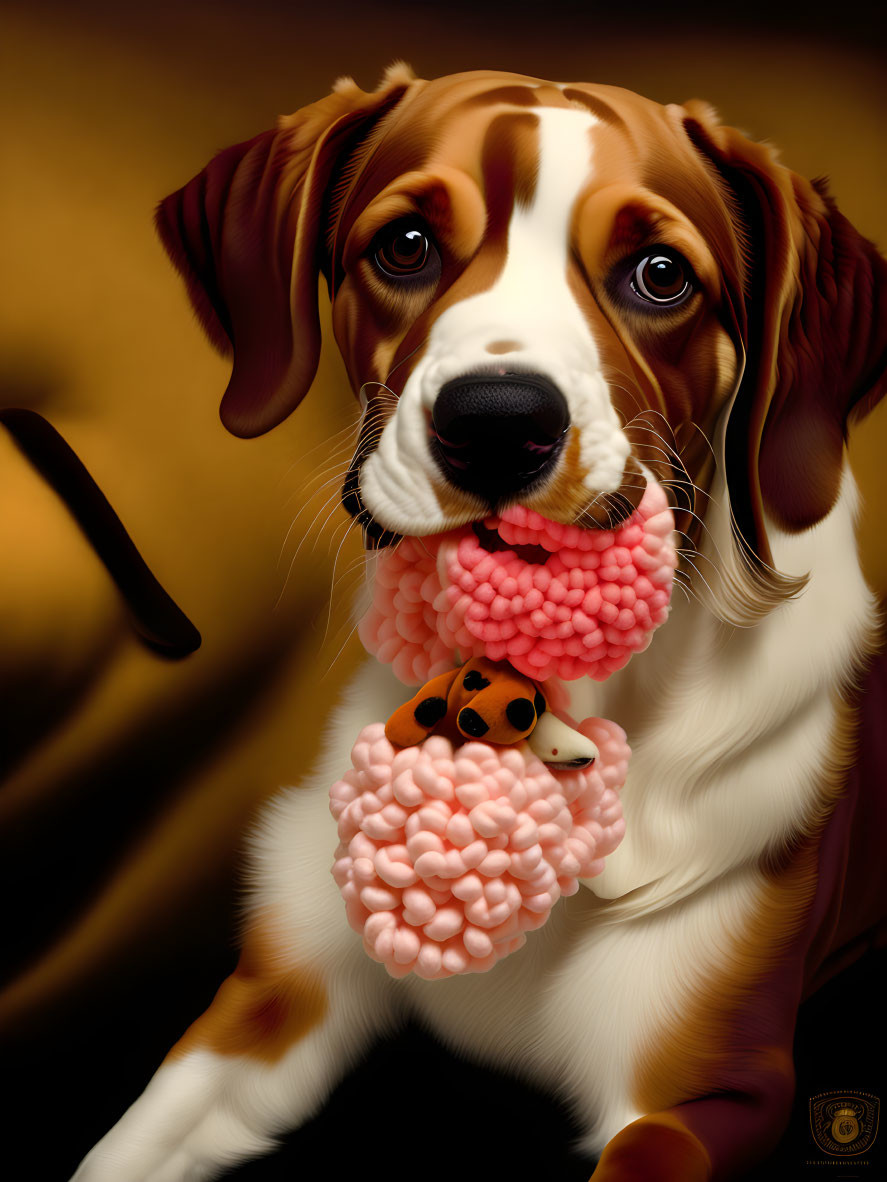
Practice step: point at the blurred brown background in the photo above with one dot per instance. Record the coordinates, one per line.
(127, 779)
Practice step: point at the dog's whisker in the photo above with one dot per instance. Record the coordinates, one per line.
(333, 584)
(332, 499)
(336, 507)
(705, 438)
(322, 477)
(316, 534)
(349, 627)
(333, 474)
(633, 394)
(339, 471)
(404, 360)
(332, 664)
(383, 393)
(330, 444)
(310, 531)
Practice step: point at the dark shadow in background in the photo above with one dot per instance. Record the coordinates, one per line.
(858, 24)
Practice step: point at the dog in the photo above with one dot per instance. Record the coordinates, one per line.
(657, 299)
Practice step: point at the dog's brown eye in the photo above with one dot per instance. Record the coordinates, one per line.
(403, 251)
(662, 279)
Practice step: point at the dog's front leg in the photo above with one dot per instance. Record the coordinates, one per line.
(657, 1148)
(265, 1055)
(721, 1093)
(704, 1140)
(718, 1079)
(286, 1026)
(714, 1136)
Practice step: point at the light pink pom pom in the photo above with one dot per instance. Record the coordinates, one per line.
(447, 857)
(583, 611)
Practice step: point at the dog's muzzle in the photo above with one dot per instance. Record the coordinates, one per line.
(497, 434)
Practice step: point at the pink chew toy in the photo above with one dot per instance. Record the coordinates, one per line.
(448, 856)
(579, 603)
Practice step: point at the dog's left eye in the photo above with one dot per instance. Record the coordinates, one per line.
(403, 249)
(662, 277)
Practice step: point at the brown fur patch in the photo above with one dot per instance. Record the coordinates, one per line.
(513, 96)
(693, 1051)
(709, 1046)
(656, 1149)
(510, 162)
(597, 106)
(564, 497)
(261, 1010)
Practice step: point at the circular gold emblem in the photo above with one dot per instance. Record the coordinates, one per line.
(845, 1126)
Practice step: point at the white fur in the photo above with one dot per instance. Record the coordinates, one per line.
(530, 303)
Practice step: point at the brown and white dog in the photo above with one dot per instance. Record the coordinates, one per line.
(689, 311)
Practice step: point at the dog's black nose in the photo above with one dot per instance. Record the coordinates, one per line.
(495, 434)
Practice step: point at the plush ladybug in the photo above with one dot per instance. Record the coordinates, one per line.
(485, 699)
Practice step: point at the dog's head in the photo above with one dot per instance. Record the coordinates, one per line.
(543, 293)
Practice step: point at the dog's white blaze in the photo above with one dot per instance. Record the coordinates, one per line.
(530, 304)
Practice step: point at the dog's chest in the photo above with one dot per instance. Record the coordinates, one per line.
(729, 728)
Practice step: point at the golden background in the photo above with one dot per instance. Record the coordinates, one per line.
(128, 779)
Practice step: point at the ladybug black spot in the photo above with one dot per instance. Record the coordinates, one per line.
(475, 680)
(471, 723)
(539, 703)
(430, 711)
(520, 713)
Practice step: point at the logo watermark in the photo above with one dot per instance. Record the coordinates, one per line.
(844, 1126)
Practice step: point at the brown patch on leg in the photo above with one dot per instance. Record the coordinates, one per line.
(655, 1148)
(713, 1043)
(261, 1010)
(707, 1044)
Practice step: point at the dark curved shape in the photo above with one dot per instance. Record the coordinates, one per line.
(157, 619)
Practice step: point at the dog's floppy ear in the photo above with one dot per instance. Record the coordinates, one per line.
(814, 323)
(245, 234)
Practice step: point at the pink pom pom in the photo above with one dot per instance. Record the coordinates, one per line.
(594, 598)
(447, 857)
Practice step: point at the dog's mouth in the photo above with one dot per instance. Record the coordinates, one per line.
(530, 537)
(555, 600)
(492, 541)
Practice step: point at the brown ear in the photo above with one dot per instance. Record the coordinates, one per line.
(245, 235)
(814, 323)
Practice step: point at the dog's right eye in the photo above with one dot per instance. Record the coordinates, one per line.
(404, 249)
